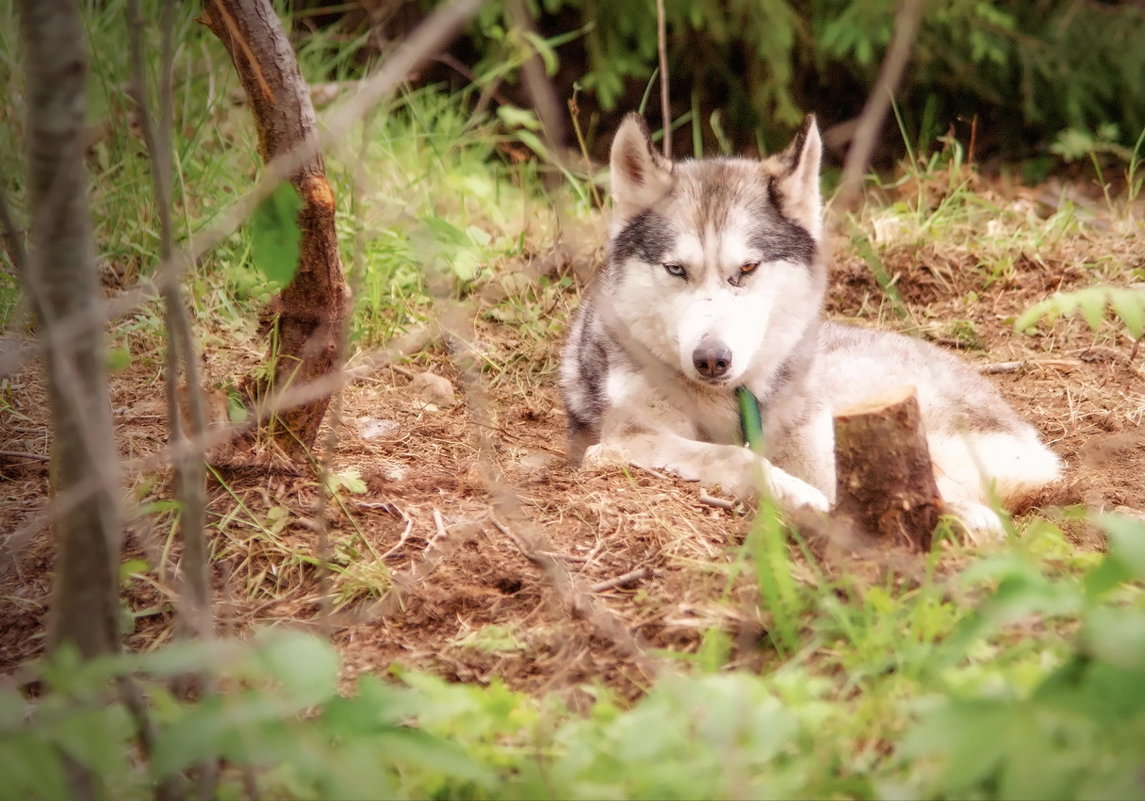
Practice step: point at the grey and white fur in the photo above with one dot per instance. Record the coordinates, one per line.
(715, 278)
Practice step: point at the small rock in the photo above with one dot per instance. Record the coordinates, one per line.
(373, 427)
(433, 390)
(535, 461)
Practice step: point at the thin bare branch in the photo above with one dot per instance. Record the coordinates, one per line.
(540, 88)
(61, 282)
(665, 100)
(181, 354)
(623, 580)
(907, 20)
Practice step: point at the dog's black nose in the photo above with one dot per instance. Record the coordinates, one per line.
(712, 360)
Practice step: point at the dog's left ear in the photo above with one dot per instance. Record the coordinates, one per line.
(795, 177)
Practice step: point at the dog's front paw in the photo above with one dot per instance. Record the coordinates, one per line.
(794, 493)
(981, 523)
(601, 456)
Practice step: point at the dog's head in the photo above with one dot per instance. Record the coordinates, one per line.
(715, 265)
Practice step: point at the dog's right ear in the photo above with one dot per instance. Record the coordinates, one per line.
(640, 175)
(795, 177)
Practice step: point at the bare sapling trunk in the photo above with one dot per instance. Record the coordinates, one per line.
(310, 315)
(884, 478)
(181, 351)
(61, 281)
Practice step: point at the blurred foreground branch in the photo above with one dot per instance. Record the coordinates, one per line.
(907, 20)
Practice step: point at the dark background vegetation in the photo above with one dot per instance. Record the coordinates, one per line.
(1013, 74)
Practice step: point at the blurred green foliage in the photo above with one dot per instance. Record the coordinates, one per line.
(1025, 69)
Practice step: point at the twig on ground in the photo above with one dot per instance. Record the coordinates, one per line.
(721, 503)
(1003, 367)
(35, 457)
(623, 580)
(417, 571)
(403, 537)
(1064, 365)
(66, 501)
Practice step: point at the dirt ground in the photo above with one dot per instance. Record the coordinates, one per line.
(430, 566)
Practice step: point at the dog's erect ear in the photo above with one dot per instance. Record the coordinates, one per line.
(795, 181)
(640, 175)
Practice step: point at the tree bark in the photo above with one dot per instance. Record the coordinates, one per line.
(62, 282)
(310, 315)
(884, 478)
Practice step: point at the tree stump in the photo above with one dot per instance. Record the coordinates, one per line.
(884, 479)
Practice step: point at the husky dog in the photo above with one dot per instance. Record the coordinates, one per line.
(715, 279)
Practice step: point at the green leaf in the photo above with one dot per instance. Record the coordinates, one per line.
(1032, 316)
(31, 769)
(955, 732)
(275, 237)
(1126, 541)
(533, 142)
(244, 727)
(1129, 305)
(1103, 578)
(1092, 303)
(349, 479)
(375, 706)
(306, 666)
(416, 747)
(237, 411)
(118, 358)
(514, 117)
(132, 566)
(11, 710)
(96, 738)
(1116, 636)
(545, 51)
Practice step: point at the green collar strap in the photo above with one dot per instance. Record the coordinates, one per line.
(750, 418)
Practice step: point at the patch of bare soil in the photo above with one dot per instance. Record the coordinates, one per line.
(557, 579)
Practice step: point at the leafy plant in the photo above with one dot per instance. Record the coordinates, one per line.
(1075, 733)
(1126, 305)
(944, 713)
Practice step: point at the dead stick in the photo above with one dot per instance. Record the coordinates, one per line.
(624, 579)
(721, 503)
(665, 104)
(871, 120)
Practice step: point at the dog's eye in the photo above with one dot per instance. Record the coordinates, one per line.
(676, 269)
(748, 267)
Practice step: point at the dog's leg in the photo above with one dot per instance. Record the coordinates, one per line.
(981, 523)
(973, 469)
(736, 469)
